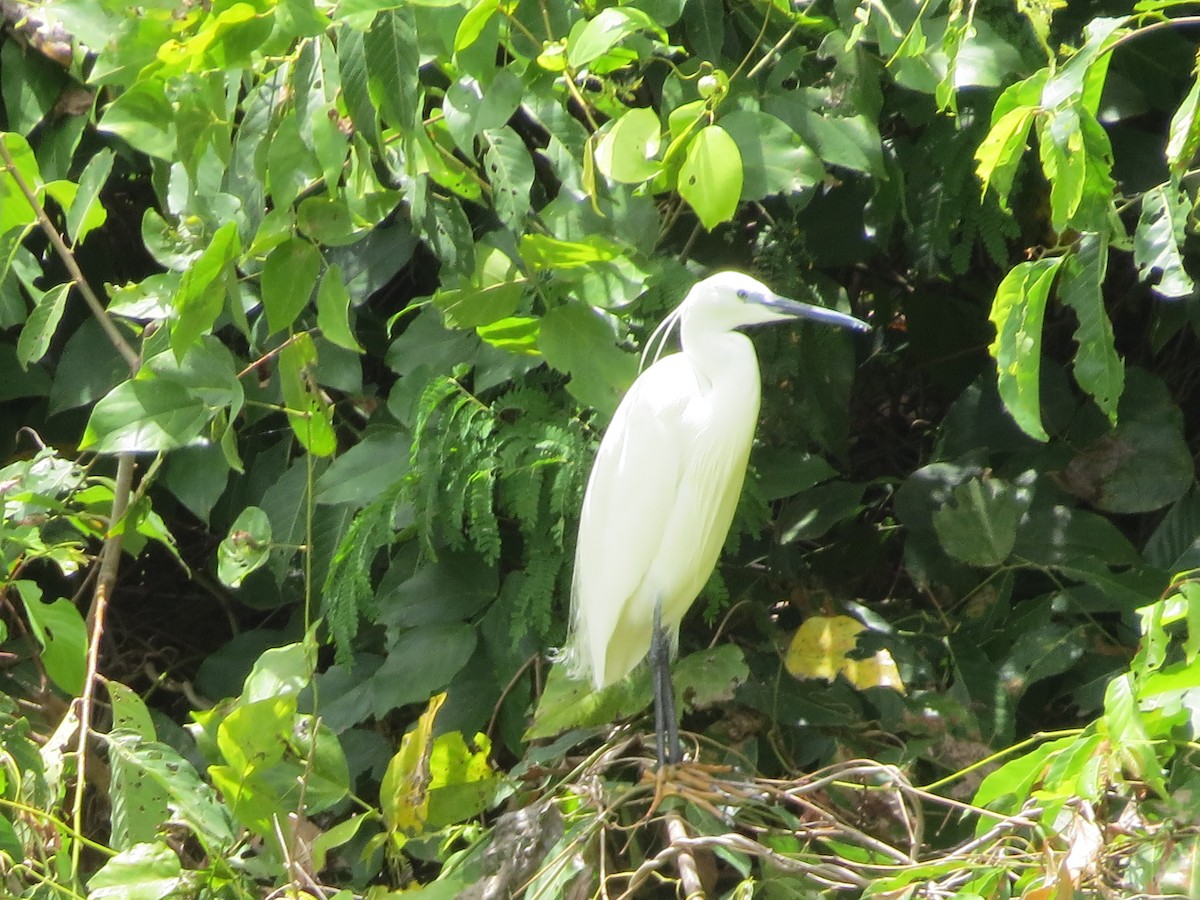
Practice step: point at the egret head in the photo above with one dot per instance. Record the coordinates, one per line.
(731, 300)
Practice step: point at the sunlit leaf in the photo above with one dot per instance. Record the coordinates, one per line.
(710, 179)
(1158, 243)
(288, 278)
(309, 412)
(246, 547)
(1017, 311)
(626, 151)
(404, 791)
(144, 871)
(60, 631)
(510, 171)
(823, 648)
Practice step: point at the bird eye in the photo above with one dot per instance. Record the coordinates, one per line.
(743, 294)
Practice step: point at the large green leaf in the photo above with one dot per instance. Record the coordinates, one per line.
(166, 777)
(391, 58)
(42, 324)
(1017, 311)
(576, 340)
(288, 278)
(201, 294)
(60, 630)
(142, 871)
(627, 150)
(710, 179)
(774, 158)
(979, 522)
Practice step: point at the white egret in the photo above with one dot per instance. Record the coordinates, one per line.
(664, 486)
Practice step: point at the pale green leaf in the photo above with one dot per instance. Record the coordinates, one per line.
(626, 151)
(143, 117)
(246, 547)
(710, 179)
(470, 110)
(606, 30)
(61, 633)
(144, 871)
(1017, 312)
(201, 294)
(575, 339)
(15, 211)
(309, 413)
(510, 171)
(997, 157)
(473, 23)
(161, 769)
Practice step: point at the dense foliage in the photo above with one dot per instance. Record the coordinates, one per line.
(311, 313)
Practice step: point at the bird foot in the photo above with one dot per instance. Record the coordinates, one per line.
(695, 782)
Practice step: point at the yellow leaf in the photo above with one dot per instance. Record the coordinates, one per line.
(822, 646)
(404, 792)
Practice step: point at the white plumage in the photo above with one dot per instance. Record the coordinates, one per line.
(667, 477)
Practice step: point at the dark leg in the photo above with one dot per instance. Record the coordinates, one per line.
(666, 727)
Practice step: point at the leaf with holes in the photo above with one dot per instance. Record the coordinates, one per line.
(510, 171)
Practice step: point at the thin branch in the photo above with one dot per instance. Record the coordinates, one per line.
(68, 259)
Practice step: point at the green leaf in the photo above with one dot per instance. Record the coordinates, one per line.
(143, 116)
(288, 277)
(978, 523)
(469, 110)
(565, 703)
(1128, 735)
(15, 211)
(510, 171)
(709, 677)
(574, 339)
(147, 871)
(392, 63)
(999, 154)
(1140, 466)
(1017, 312)
(86, 211)
(626, 151)
(309, 413)
(710, 179)
(42, 324)
(61, 633)
(333, 310)
(606, 30)
(201, 294)
(352, 69)
(775, 160)
(473, 23)
(1158, 243)
(494, 293)
(157, 767)
(1183, 141)
(1098, 368)
(129, 711)
(291, 164)
(246, 547)
(541, 251)
(168, 405)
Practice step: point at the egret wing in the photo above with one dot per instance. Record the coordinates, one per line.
(633, 486)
